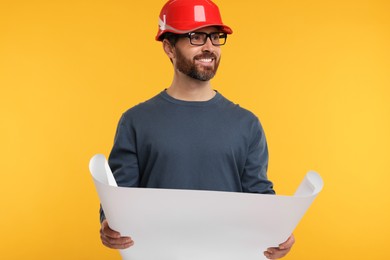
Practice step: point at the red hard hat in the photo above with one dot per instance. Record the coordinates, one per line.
(183, 16)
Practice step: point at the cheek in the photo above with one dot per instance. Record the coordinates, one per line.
(184, 53)
(218, 52)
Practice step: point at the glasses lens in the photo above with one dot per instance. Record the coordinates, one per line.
(218, 38)
(200, 38)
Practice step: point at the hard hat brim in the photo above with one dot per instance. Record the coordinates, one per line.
(223, 28)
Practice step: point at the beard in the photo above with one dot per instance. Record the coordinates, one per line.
(195, 71)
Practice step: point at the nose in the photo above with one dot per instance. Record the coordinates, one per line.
(208, 46)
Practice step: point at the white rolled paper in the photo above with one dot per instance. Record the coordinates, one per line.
(168, 224)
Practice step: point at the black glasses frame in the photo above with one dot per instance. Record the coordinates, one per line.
(221, 35)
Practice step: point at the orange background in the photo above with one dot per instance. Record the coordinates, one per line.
(317, 73)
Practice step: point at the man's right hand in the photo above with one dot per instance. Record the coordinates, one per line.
(113, 239)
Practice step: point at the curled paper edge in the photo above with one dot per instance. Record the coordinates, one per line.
(100, 170)
(312, 184)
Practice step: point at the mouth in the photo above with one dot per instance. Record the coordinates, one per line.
(206, 60)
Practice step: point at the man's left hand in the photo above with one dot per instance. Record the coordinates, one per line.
(282, 250)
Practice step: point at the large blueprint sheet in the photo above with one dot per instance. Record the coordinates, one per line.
(170, 224)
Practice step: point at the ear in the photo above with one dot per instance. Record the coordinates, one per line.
(168, 49)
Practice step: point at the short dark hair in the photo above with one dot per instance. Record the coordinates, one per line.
(171, 37)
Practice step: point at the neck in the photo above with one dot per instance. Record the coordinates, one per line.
(188, 89)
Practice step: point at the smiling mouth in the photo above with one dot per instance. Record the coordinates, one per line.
(206, 60)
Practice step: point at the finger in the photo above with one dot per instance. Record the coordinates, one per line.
(276, 253)
(117, 246)
(107, 231)
(112, 238)
(115, 240)
(117, 243)
(288, 243)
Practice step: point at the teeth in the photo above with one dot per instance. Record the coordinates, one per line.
(206, 60)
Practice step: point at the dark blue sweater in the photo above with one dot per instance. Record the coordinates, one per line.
(212, 145)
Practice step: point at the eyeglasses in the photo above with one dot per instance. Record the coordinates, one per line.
(200, 38)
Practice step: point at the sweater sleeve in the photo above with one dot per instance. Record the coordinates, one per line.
(254, 178)
(123, 159)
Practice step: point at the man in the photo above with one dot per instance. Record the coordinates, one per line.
(189, 136)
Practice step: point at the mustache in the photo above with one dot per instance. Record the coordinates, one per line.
(207, 55)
